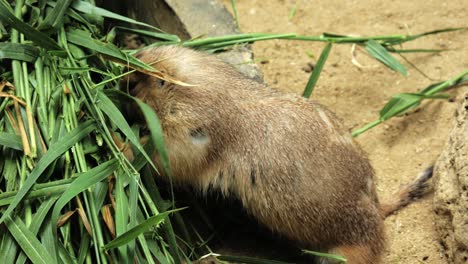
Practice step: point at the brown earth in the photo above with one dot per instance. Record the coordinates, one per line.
(402, 147)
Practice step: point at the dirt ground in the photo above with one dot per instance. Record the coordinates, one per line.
(402, 147)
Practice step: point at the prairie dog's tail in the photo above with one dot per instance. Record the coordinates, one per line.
(408, 193)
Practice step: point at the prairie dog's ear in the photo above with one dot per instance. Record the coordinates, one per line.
(129, 81)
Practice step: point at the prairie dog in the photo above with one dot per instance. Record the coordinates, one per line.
(289, 160)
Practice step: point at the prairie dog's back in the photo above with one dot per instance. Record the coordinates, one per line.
(288, 159)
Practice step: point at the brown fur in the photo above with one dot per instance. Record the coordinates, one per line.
(288, 159)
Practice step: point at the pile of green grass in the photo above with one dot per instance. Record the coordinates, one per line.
(68, 194)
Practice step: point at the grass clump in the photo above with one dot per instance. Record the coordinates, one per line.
(68, 193)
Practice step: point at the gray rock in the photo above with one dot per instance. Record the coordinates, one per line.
(196, 18)
(451, 190)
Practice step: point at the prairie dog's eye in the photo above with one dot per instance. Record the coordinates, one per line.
(160, 83)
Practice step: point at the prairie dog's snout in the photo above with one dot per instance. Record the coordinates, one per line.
(289, 160)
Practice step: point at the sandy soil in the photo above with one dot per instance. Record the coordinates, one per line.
(402, 147)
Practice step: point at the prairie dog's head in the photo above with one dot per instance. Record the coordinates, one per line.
(207, 77)
(164, 97)
(192, 117)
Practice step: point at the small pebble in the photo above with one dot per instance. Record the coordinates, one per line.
(309, 67)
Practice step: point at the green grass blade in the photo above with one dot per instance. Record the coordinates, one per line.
(433, 32)
(17, 51)
(83, 182)
(28, 242)
(88, 8)
(108, 107)
(55, 150)
(121, 214)
(157, 252)
(341, 259)
(100, 190)
(85, 245)
(223, 44)
(41, 39)
(37, 223)
(146, 250)
(366, 127)
(229, 40)
(65, 257)
(11, 140)
(154, 198)
(139, 160)
(236, 16)
(334, 35)
(55, 18)
(10, 173)
(163, 36)
(157, 135)
(73, 70)
(438, 87)
(47, 189)
(381, 54)
(248, 260)
(139, 229)
(213, 40)
(293, 11)
(8, 247)
(317, 70)
(84, 39)
(155, 128)
(48, 239)
(399, 103)
(416, 50)
(343, 39)
(157, 138)
(7, 198)
(132, 213)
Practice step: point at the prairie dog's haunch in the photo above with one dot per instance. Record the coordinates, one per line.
(289, 160)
